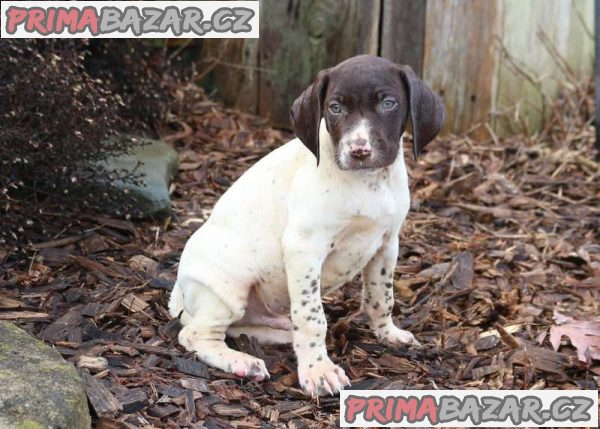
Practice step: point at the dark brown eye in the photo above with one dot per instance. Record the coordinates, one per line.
(335, 108)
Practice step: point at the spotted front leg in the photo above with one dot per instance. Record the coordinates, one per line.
(317, 374)
(378, 295)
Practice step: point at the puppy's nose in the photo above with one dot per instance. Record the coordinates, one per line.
(360, 149)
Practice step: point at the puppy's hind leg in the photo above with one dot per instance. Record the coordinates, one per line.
(176, 305)
(204, 334)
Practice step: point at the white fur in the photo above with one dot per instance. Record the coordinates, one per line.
(266, 253)
(362, 130)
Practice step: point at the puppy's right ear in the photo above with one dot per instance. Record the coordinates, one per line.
(306, 113)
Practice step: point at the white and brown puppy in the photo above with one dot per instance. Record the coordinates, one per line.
(293, 228)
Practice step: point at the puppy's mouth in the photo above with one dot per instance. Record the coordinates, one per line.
(346, 162)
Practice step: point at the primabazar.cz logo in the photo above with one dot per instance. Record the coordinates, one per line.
(469, 408)
(127, 19)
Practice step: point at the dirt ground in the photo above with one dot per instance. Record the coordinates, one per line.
(501, 247)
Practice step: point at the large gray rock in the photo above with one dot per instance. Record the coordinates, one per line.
(159, 166)
(38, 388)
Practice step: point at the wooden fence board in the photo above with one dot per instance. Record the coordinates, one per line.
(454, 44)
(459, 57)
(236, 75)
(403, 32)
(300, 37)
(567, 24)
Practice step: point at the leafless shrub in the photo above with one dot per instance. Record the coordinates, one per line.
(56, 123)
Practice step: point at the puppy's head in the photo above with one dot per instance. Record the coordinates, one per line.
(366, 102)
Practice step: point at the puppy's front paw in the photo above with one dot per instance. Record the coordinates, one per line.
(322, 378)
(395, 336)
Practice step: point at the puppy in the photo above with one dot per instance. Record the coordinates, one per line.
(306, 219)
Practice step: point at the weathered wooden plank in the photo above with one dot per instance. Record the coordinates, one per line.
(568, 25)
(459, 57)
(403, 32)
(455, 43)
(299, 38)
(234, 70)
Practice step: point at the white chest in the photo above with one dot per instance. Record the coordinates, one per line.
(377, 207)
(351, 250)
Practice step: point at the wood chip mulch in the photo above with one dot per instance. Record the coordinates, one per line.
(503, 235)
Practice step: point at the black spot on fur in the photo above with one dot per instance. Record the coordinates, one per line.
(389, 285)
(313, 283)
(314, 290)
(312, 344)
(383, 271)
(382, 326)
(304, 303)
(376, 305)
(320, 358)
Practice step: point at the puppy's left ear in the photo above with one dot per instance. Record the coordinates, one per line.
(427, 111)
(306, 113)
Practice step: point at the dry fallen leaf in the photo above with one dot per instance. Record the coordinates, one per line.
(143, 263)
(583, 334)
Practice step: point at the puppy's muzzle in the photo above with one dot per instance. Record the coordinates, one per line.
(360, 149)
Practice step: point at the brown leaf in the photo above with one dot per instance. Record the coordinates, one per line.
(459, 275)
(583, 334)
(144, 264)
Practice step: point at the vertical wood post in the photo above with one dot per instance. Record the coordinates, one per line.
(403, 32)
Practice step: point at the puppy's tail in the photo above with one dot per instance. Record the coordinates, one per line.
(176, 306)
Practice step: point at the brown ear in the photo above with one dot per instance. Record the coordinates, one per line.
(306, 113)
(427, 112)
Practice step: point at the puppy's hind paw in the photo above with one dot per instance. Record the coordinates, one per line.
(250, 367)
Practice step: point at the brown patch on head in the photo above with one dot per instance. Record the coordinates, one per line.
(367, 102)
